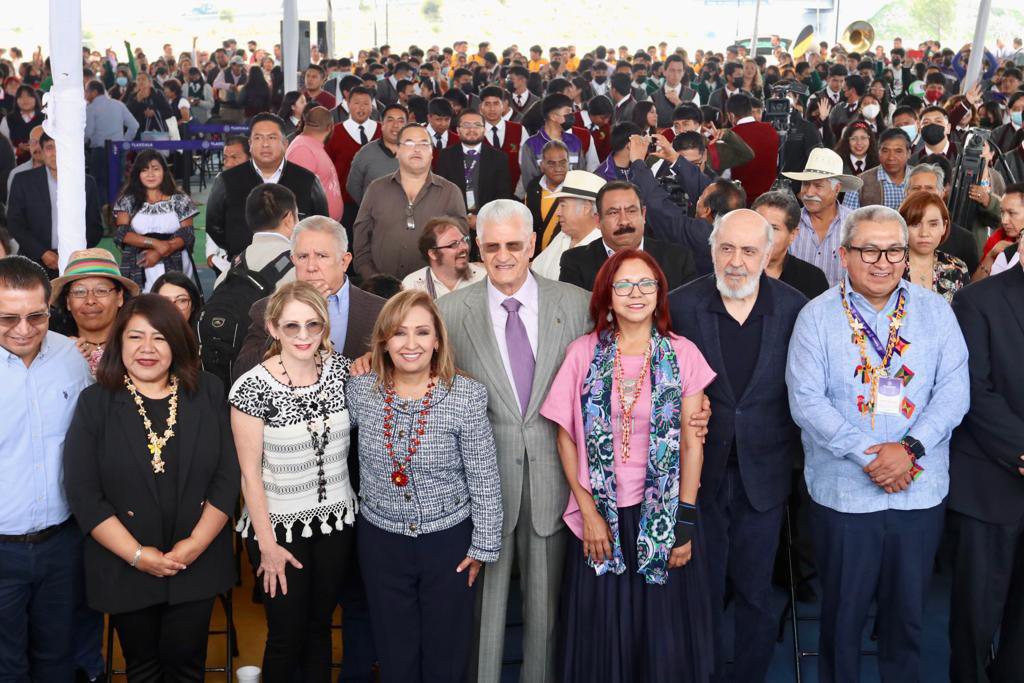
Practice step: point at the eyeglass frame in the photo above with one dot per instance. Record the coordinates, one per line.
(635, 286)
(86, 291)
(302, 327)
(453, 245)
(15, 319)
(905, 250)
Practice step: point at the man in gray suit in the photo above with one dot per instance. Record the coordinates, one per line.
(501, 329)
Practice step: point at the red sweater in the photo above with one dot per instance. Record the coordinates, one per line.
(758, 174)
(342, 149)
(515, 136)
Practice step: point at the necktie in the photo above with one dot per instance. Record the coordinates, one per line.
(495, 142)
(859, 165)
(437, 136)
(520, 353)
(472, 156)
(362, 136)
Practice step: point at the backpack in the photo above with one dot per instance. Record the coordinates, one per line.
(224, 320)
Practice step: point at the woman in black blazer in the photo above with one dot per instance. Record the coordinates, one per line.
(151, 475)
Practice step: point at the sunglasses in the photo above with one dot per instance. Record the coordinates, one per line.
(314, 328)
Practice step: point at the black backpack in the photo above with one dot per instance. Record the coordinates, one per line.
(224, 320)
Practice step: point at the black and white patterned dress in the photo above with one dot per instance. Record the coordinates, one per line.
(159, 220)
(290, 477)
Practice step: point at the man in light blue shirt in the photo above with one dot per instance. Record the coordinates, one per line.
(41, 373)
(105, 119)
(877, 377)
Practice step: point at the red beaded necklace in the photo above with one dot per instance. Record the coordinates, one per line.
(398, 475)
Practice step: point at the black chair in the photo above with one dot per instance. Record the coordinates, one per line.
(231, 645)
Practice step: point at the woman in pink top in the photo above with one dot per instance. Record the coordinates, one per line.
(307, 150)
(634, 602)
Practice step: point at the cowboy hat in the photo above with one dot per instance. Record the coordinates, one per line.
(580, 185)
(91, 263)
(824, 164)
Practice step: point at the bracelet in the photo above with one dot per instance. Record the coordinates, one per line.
(148, 243)
(686, 512)
(135, 558)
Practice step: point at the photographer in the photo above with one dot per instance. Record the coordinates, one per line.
(666, 220)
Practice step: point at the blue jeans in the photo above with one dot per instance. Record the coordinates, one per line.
(40, 586)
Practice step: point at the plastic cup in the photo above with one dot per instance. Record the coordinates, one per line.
(248, 674)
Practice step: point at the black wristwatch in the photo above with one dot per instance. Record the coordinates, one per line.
(915, 447)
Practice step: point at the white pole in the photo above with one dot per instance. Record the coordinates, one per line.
(753, 41)
(290, 44)
(977, 47)
(330, 30)
(65, 123)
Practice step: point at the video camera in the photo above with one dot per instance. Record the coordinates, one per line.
(777, 108)
(968, 172)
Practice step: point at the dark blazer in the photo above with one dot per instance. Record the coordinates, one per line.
(492, 177)
(759, 420)
(107, 474)
(29, 219)
(517, 111)
(579, 265)
(806, 278)
(985, 450)
(363, 309)
(666, 109)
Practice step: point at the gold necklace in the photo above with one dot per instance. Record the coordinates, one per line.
(156, 443)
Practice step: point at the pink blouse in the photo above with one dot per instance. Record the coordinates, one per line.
(310, 154)
(562, 406)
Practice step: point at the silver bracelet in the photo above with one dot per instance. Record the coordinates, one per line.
(135, 558)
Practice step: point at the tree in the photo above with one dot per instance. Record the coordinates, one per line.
(432, 10)
(933, 17)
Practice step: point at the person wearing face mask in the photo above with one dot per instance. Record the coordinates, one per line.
(1008, 136)
(733, 86)
(935, 129)
(622, 216)
(558, 123)
(871, 112)
(906, 119)
(522, 99)
(199, 94)
(599, 85)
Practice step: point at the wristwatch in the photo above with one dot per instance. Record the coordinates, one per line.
(913, 446)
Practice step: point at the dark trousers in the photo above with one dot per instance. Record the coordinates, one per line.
(360, 656)
(165, 643)
(40, 586)
(420, 607)
(299, 622)
(886, 556)
(100, 172)
(988, 594)
(740, 544)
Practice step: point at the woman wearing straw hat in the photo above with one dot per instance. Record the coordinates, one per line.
(92, 290)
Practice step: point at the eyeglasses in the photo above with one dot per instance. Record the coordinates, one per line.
(416, 144)
(454, 245)
(874, 254)
(291, 330)
(495, 247)
(182, 301)
(98, 292)
(625, 287)
(9, 320)
(471, 126)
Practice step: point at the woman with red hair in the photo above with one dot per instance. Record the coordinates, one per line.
(634, 600)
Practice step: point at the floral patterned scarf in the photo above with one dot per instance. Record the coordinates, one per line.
(661, 483)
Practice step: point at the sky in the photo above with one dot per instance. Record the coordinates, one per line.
(691, 23)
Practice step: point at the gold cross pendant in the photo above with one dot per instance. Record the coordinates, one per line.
(157, 462)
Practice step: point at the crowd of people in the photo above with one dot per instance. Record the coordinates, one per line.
(601, 322)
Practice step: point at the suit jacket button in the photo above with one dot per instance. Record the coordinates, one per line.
(412, 528)
(130, 513)
(408, 496)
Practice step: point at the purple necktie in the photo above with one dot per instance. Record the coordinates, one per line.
(520, 353)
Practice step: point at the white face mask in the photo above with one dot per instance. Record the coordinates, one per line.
(870, 111)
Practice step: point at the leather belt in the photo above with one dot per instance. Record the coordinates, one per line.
(36, 536)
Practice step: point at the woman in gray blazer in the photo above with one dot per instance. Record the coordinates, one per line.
(430, 511)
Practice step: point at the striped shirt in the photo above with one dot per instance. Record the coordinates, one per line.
(822, 253)
(892, 194)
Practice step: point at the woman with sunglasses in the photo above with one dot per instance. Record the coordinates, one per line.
(291, 426)
(634, 600)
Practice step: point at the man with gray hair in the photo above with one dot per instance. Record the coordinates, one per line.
(578, 220)
(510, 332)
(823, 216)
(741, 321)
(321, 257)
(876, 392)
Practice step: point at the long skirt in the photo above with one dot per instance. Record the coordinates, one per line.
(620, 629)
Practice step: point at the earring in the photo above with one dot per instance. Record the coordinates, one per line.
(610, 317)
